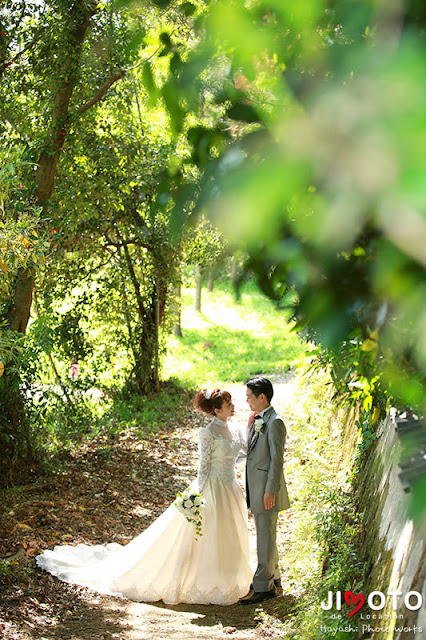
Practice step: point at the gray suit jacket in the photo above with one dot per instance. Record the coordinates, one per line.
(265, 460)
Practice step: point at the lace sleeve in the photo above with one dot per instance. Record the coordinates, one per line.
(242, 434)
(205, 447)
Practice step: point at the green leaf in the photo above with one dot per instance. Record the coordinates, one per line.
(188, 8)
(171, 99)
(359, 251)
(228, 94)
(166, 40)
(244, 113)
(149, 82)
(367, 403)
(176, 64)
(136, 41)
(161, 3)
(120, 4)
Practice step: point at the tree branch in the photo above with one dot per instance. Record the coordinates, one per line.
(21, 17)
(136, 287)
(16, 57)
(138, 64)
(125, 243)
(102, 91)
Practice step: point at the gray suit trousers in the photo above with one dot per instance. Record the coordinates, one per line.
(267, 555)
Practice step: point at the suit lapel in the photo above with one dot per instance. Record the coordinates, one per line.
(254, 435)
(253, 438)
(268, 413)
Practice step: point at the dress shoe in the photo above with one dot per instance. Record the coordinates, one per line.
(277, 584)
(259, 596)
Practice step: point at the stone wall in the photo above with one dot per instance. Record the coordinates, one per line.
(393, 544)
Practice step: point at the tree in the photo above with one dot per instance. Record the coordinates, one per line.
(203, 246)
(20, 248)
(75, 23)
(61, 29)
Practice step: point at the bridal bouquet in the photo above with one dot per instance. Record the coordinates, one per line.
(190, 504)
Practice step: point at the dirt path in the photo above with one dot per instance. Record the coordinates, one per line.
(45, 609)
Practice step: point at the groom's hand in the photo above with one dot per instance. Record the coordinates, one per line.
(269, 500)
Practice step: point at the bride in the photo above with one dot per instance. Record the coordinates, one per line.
(167, 562)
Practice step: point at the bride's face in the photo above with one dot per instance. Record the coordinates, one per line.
(226, 411)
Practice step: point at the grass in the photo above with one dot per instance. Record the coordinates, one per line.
(323, 553)
(230, 341)
(146, 414)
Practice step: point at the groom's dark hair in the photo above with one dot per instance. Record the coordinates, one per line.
(260, 385)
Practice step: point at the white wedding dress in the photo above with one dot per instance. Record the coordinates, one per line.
(166, 562)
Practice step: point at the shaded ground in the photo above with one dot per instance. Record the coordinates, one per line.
(110, 492)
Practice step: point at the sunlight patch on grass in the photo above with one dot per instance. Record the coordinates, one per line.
(230, 341)
(219, 308)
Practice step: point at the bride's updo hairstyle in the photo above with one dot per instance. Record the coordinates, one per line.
(207, 400)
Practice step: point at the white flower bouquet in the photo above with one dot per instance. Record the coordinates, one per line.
(190, 504)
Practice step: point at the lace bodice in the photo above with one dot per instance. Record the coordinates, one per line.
(218, 448)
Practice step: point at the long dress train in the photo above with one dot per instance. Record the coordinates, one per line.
(166, 562)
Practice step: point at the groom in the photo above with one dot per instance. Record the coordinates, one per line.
(265, 485)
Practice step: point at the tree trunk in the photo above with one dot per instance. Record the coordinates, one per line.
(150, 313)
(211, 278)
(147, 365)
(177, 327)
(198, 287)
(234, 270)
(19, 310)
(49, 156)
(144, 370)
(14, 421)
(157, 337)
(14, 428)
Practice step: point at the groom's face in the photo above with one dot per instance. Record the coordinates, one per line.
(256, 403)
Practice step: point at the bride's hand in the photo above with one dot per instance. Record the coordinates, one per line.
(251, 418)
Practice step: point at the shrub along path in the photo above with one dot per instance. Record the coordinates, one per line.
(110, 492)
